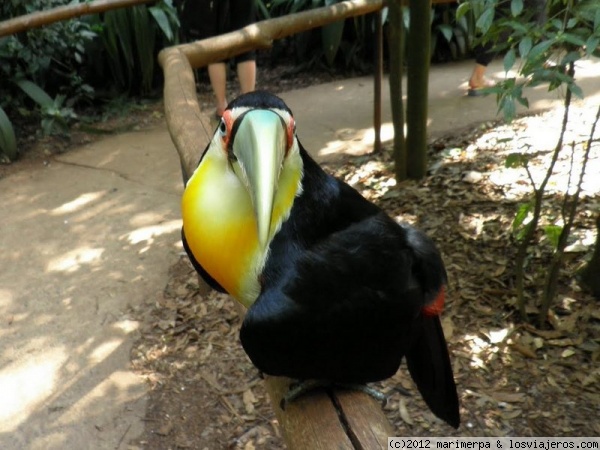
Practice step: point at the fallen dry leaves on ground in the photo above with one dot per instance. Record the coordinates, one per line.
(513, 379)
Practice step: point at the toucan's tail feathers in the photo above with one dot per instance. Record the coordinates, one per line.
(429, 366)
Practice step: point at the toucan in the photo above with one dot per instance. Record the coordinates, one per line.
(335, 289)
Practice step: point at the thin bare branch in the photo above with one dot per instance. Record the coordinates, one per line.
(41, 18)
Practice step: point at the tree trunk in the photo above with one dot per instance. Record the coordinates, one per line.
(419, 36)
(396, 49)
(590, 275)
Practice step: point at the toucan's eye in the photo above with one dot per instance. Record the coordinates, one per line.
(223, 128)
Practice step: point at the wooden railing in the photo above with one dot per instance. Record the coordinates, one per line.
(59, 13)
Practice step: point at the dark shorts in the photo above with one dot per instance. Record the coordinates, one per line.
(201, 19)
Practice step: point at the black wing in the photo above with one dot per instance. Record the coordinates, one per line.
(342, 297)
(342, 310)
(341, 288)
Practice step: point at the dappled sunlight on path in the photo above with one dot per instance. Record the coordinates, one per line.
(86, 241)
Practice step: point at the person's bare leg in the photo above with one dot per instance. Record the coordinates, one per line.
(218, 80)
(247, 75)
(478, 79)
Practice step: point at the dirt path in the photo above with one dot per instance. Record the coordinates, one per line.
(87, 239)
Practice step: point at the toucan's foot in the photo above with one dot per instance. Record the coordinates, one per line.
(300, 388)
(377, 395)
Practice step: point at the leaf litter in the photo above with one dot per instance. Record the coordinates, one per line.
(513, 378)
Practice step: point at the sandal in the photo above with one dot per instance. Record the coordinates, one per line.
(481, 91)
(478, 92)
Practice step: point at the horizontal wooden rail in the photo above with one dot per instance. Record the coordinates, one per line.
(347, 420)
(47, 17)
(41, 18)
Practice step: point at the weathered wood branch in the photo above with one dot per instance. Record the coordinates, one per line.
(189, 129)
(41, 18)
(320, 420)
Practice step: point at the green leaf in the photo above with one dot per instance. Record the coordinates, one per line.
(570, 57)
(509, 59)
(517, 26)
(298, 5)
(508, 108)
(331, 37)
(572, 22)
(485, 20)
(144, 36)
(446, 30)
(516, 7)
(525, 46)
(264, 11)
(556, 23)
(553, 234)
(576, 90)
(591, 44)
(540, 48)
(521, 215)
(36, 93)
(523, 100)
(514, 160)
(8, 142)
(122, 29)
(573, 39)
(462, 9)
(163, 22)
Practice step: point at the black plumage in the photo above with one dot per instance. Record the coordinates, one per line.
(344, 292)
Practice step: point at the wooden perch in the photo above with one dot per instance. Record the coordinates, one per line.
(320, 420)
(41, 18)
(340, 419)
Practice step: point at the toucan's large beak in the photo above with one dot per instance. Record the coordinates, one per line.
(259, 145)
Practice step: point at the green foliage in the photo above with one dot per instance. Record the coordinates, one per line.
(54, 67)
(519, 223)
(516, 160)
(452, 35)
(130, 40)
(541, 52)
(48, 56)
(570, 32)
(8, 142)
(553, 234)
(331, 37)
(55, 115)
(350, 44)
(51, 59)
